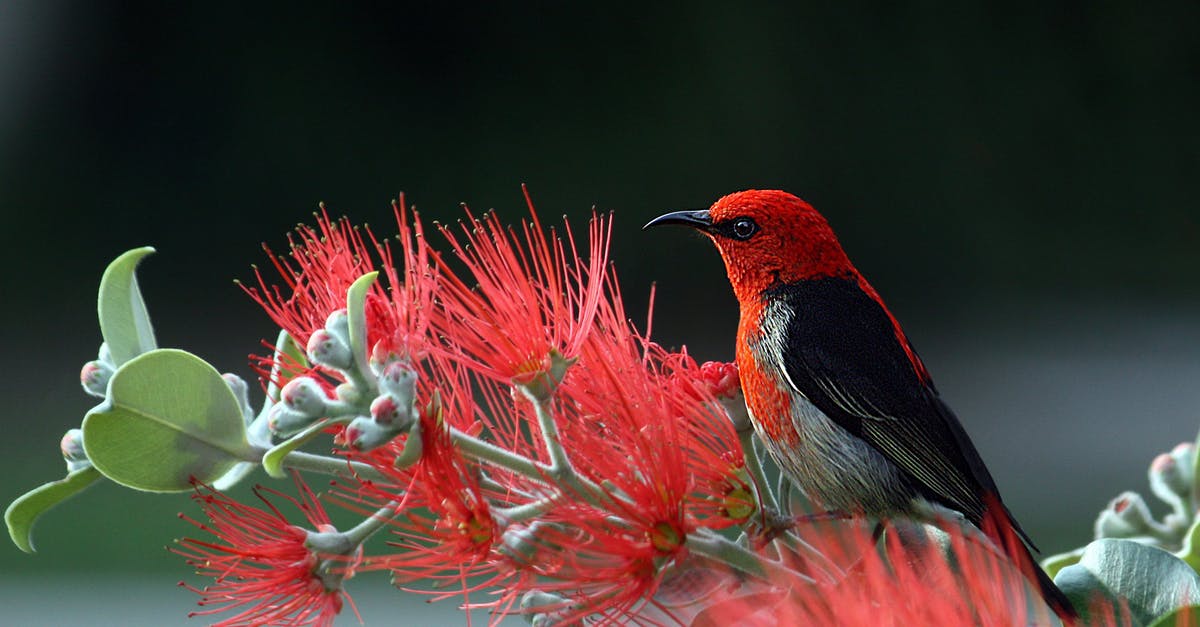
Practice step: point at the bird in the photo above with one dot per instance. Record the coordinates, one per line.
(837, 394)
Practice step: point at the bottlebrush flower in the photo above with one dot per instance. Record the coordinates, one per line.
(324, 261)
(263, 567)
(446, 528)
(534, 294)
(604, 551)
(957, 579)
(327, 258)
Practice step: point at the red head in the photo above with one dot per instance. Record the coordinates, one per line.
(767, 237)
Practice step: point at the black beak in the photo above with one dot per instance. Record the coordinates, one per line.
(695, 219)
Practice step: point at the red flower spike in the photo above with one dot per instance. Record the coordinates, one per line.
(534, 294)
(447, 530)
(326, 259)
(916, 585)
(263, 569)
(626, 429)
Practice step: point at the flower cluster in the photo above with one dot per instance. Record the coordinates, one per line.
(266, 569)
(517, 444)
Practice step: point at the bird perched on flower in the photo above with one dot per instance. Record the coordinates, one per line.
(834, 388)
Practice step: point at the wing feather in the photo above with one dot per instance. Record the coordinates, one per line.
(844, 353)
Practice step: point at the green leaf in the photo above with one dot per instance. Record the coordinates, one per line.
(286, 351)
(272, 461)
(1190, 553)
(1183, 617)
(23, 513)
(169, 417)
(1057, 562)
(124, 322)
(356, 299)
(1151, 581)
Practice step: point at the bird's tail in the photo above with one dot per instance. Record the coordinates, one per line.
(1002, 528)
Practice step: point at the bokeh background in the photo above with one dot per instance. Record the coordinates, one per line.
(1019, 180)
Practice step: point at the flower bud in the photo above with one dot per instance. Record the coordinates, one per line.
(94, 377)
(519, 544)
(348, 393)
(721, 379)
(388, 413)
(305, 396)
(72, 450)
(399, 379)
(1126, 516)
(338, 323)
(364, 434)
(285, 421)
(242, 392)
(1168, 480)
(1185, 454)
(326, 349)
(535, 600)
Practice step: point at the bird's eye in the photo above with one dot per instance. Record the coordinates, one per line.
(743, 228)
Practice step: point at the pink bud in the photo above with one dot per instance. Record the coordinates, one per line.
(305, 396)
(94, 377)
(385, 410)
(721, 379)
(327, 349)
(72, 445)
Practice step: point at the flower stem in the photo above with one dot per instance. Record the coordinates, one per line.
(709, 544)
(300, 460)
(365, 529)
(487, 452)
(559, 462)
(522, 513)
(766, 498)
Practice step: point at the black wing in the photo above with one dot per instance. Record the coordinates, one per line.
(843, 353)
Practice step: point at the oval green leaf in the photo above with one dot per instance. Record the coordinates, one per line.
(356, 312)
(1057, 562)
(124, 322)
(1151, 581)
(24, 512)
(1183, 617)
(169, 417)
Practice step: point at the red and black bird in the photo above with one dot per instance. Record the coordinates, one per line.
(834, 388)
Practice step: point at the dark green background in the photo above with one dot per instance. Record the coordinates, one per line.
(1018, 180)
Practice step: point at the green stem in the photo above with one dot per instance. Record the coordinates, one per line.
(487, 452)
(367, 528)
(716, 547)
(300, 460)
(766, 498)
(522, 513)
(559, 462)
(564, 476)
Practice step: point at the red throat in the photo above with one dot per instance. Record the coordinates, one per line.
(767, 398)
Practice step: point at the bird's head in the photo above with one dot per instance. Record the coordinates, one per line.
(767, 238)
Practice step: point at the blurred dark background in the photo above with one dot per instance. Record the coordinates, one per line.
(1018, 179)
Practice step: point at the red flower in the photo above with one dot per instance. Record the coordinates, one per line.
(446, 528)
(534, 295)
(326, 259)
(923, 580)
(263, 567)
(323, 262)
(626, 428)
